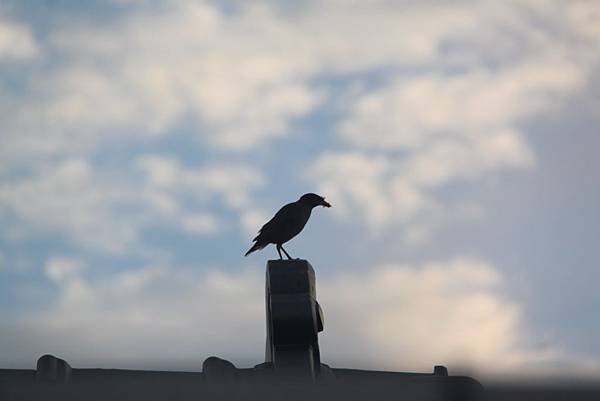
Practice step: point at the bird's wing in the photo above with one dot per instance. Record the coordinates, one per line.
(286, 224)
(275, 220)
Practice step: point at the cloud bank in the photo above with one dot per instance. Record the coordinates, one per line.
(400, 317)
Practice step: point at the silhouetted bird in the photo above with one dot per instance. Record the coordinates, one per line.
(287, 223)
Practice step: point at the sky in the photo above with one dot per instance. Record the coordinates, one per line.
(143, 144)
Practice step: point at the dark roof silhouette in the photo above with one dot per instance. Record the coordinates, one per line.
(287, 223)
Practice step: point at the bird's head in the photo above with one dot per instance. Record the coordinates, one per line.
(314, 200)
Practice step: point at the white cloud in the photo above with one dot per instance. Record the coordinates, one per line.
(383, 190)
(422, 315)
(245, 76)
(447, 159)
(583, 17)
(142, 73)
(185, 315)
(231, 182)
(59, 269)
(200, 223)
(16, 41)
(72, 200)
(455, 313)
(355, 181)
(109, 210)
(407, 317)
(409, 112)
(454, 120)
(458, 80)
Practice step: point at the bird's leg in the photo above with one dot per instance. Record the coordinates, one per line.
(286, 254)
(279, 252)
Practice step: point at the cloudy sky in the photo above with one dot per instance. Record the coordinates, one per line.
(143, 143)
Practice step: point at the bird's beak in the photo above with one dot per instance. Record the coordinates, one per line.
(325, 203)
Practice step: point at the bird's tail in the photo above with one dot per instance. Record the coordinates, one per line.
(255, 247)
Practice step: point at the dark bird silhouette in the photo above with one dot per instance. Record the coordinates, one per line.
(287, 223)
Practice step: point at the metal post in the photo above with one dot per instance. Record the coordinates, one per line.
(294, 319)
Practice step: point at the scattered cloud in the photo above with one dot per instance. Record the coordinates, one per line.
(72, 200)
(383, 189)
(245, 76)
(232, 75)
(411, 112)
(457, 82)
(456, 119)
(231, 182)
(108, 210)
(360, 183)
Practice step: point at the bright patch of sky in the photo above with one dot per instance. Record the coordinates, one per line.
(145, 142)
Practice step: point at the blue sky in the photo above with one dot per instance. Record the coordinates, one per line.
(145, 142)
